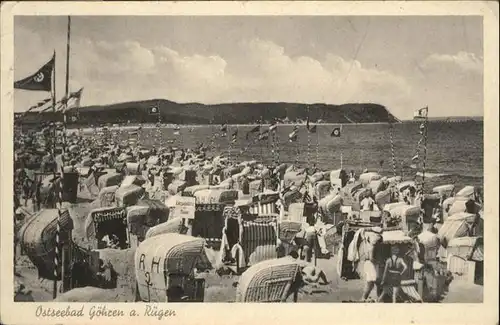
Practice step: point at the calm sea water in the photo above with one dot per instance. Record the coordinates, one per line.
(454, 149)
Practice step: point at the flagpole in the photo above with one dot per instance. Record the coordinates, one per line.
(308, 140)
(393, 154)
(260, 144)
(63, 153)
(54, 143)
(317, 149)
(425, 147)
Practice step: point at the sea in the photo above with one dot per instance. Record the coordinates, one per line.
(453, 150)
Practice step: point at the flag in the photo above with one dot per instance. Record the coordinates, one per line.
(273, 126)
(264, 135)
(421, 113)
(292, 137)
(313, 129)
(153, 110)
(234, 136)
(336, 132)
(414, 158)
(40, 80)
(73, 99)
(255, 129)
(43, 102)
(223, 130)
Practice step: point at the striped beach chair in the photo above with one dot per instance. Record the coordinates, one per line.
(258, 241)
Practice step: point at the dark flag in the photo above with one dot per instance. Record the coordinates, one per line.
(153, 110)
(336, 132)
(40, 80)
(421, 113)
(255, 129)
(312, 129)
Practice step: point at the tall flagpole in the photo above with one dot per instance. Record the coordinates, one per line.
(425, 147)
(54, 143)
(62, 257)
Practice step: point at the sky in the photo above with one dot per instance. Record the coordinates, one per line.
(403, 63)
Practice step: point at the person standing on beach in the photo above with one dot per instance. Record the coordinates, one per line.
(367, 204)
(395, 267)
(372, 263)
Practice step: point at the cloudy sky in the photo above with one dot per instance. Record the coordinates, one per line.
(403, 63)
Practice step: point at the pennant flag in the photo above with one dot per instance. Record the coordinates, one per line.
(264, 135)
(234, 136)
(336, 132)
(255, 129)
(40, 80)
(313, 129)
(421, 113)
(292, 137)
(153, 110)
(414, 158)
(43, 102)
(273, 126)
(73, 100)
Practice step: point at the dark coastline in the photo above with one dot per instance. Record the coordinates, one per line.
(234, 113)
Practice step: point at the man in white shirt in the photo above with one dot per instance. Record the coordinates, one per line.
(367, 204)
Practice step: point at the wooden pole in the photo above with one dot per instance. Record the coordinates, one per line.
(63, 260)
(425, 148)
(54, 142)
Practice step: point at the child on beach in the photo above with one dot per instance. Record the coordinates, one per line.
(395, 267)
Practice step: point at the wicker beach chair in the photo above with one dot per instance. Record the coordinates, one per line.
(38, 238)
(103, 220)
(457, 225)
(172, 226)
(258, 241)
(107, 196)
(268, 281)
(128, 195)
(166, 261)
